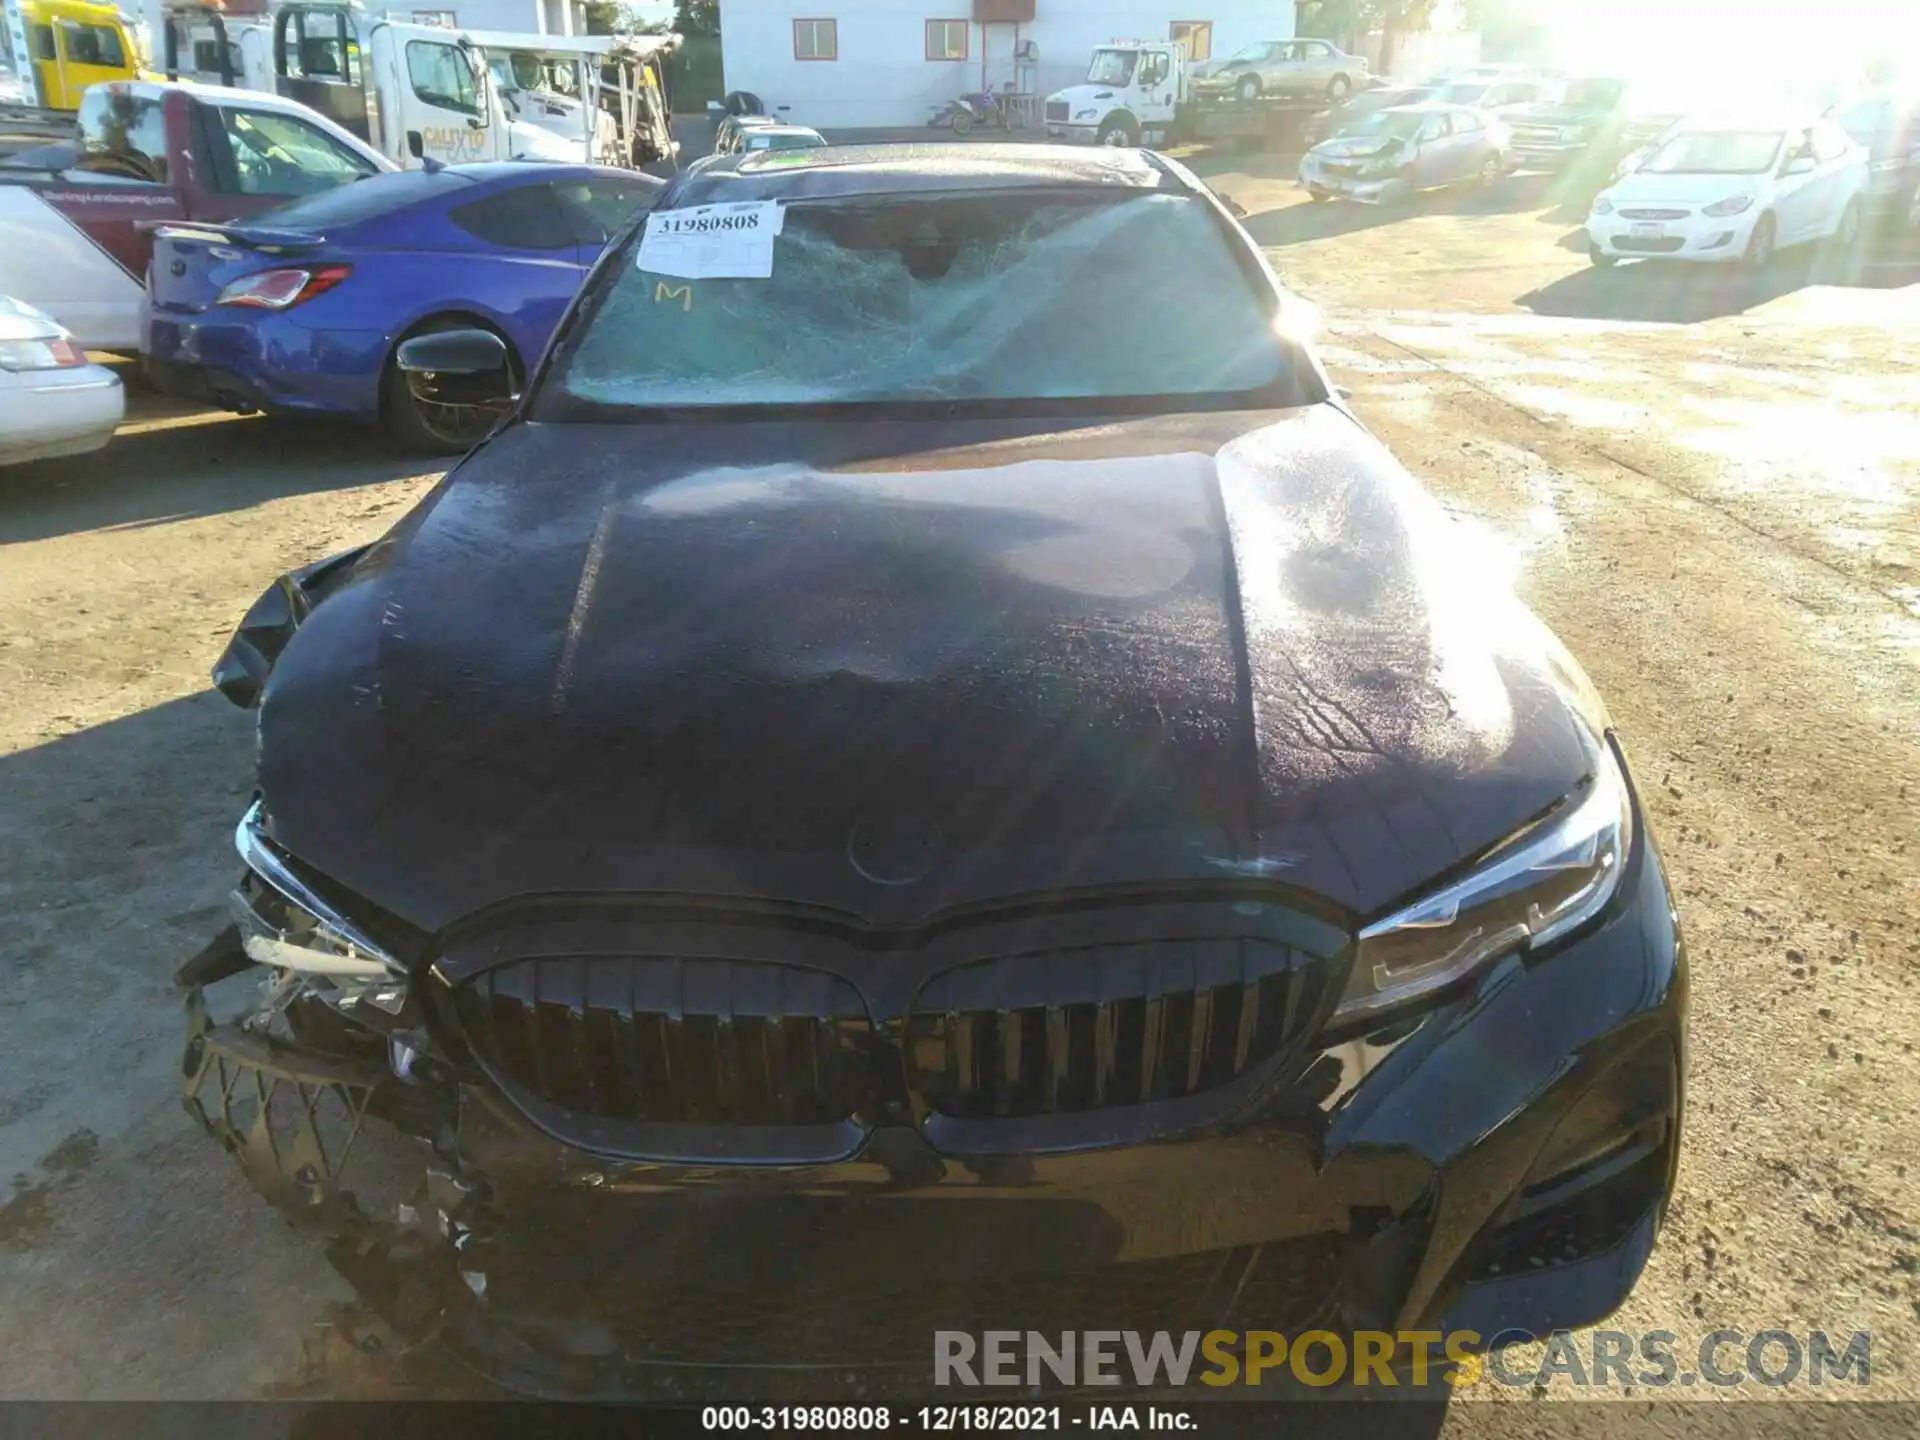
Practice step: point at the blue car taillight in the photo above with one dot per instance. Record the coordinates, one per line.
(282, 289)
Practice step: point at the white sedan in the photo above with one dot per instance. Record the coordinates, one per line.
(1733, 194)
(52, 402)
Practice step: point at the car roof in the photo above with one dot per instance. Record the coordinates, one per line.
(915, 167)
(1428, 107)
(483, 172)
(786, 129)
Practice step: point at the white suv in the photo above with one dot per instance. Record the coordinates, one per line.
(1731, 193)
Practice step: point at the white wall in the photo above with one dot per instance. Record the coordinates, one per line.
(883, 78)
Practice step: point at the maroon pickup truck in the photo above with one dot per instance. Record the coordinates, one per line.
(74, 213)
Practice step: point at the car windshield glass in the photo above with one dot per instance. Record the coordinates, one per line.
(1594, 94)
(1112, 67)
(1462, 92)
(1248, 53)
(1715, 152)
(1030, 296)
(1397, 124)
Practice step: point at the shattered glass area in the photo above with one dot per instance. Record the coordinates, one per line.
(948, 298)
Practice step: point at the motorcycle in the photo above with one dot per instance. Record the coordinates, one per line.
(981, 107)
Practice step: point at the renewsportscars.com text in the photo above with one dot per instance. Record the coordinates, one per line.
(1653, 1359)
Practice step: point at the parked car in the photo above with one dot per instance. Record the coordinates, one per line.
(300, 310)
(1395, 152)
(1285, 67)
(1340, 118)
(902, 765)
(76, 215)
(1888, 127)
(1730, 192)
(1586, 115)
(779, 137)
(728, 133)
(1494, 94)
(52, 402)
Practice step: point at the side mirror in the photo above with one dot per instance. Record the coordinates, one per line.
(453, 352)
(1799, 165)
(415, 146)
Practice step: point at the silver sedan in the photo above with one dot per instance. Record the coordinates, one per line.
(1394, 152)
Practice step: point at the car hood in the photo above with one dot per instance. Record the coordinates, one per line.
(1356, 147)
(884, 670)
(1082, 94)
(1553, 113)
(1640, 188)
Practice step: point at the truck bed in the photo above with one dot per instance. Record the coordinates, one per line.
(23, 127)
(1272, 119)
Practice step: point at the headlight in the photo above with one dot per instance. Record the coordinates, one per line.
(317, 939)
(1732, 205)
(1085, 114)
(1602, 205)
(1534, 889)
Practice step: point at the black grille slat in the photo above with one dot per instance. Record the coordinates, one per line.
(693, 1040)
(668, 1040)
(1107, 1026)
(1006, 1083)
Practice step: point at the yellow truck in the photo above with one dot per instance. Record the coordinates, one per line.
(60, 47)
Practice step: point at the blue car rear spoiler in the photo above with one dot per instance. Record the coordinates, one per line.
(264, 238)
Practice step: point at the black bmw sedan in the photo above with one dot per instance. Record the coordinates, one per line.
(932, 777)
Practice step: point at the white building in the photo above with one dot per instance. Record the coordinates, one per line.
(858, 63)
(522, 17)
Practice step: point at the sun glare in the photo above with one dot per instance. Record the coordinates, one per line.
(1737, 52)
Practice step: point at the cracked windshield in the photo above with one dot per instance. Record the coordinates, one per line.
(1046, 716)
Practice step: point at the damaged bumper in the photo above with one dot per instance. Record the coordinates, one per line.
(1498, 1162)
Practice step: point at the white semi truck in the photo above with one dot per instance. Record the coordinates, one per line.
(1140, 92)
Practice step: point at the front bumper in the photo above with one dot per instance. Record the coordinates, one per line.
(1073, 133)
(1499, 1161)
(1706, 239)
(1367, 190)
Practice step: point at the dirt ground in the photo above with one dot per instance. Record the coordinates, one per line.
(1706, 484)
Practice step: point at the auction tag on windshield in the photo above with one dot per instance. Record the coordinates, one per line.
(713, 242)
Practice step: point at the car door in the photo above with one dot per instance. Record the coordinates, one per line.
(1155, 82)
(445, 104)
(90, 54)
(1434, 165)
(1280, 73)
(1317, 67)
(1839, 176)
(1796, 189)
(1467, 146)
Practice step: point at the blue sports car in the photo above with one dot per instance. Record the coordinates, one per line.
(298, 310)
